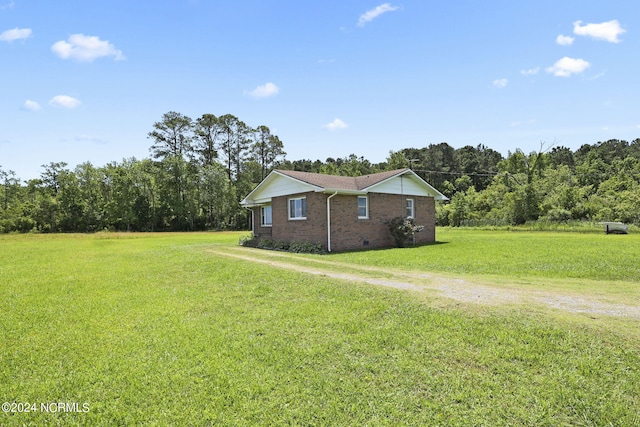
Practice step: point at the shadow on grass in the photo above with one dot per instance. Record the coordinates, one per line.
(407, 247)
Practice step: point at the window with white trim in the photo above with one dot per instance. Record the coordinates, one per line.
(265, 216)
(363, 207)
(410, 208)
(298, 208)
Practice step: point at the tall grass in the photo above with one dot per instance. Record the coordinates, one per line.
(154, 330)
(540, 225)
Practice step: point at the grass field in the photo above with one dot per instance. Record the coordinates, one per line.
(154, 329)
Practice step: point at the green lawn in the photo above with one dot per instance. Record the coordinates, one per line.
(512, 254)
(152, 329)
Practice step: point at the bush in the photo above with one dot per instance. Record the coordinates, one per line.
(299, 246)
(558, 215)
(402, 229)
(273, 244)
(306, 247)
(248, 241)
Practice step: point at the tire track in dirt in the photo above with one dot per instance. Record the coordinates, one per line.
(456, 289)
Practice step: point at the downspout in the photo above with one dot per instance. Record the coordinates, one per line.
(329, 221)
(402, 210)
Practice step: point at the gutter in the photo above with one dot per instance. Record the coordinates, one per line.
(342, 191)
(329, 221)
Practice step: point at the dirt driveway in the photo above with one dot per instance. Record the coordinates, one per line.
(456, 289)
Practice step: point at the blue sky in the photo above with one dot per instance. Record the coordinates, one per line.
(86, 80)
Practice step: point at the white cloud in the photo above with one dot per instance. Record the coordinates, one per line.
(64, 101)
(86, 48)
(30, 105)
(563, 40)
(9, 5)
(500, 83)
(530, 71)
(15, 34)
(566, 66)
(336, 124)
(264, 91)
(372, 14)
(608, 31)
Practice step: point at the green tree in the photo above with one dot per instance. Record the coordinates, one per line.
(145, 206)
(266, 150)
(90, 184)
(45, 192)
(559, 156)
(15, 210)
(562, 197)
(480, 163)
(208, 131)
(218, 197)
(177, 194)
(71, 203)
(234, 142)
(355, 166)
(525, 171)
(122, 191)
(396, 160)
(172, 137)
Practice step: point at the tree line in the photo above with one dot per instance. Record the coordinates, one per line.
(196, 175)
(597, 182)
(200, 169)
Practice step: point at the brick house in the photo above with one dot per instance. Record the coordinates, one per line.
(340, 212)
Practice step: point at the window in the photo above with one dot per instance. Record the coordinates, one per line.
(410, 208)
(265, 216)
(298, 208)
(363, 207)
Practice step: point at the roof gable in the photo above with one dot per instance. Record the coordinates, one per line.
(275, 185)
(406, 182)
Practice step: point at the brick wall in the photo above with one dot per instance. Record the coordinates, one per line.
(347, 230)
(350, 232)
(312, 229)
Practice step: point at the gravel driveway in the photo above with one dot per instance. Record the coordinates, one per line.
(456, 289)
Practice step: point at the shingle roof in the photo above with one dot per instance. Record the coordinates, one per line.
(341, 182)
(275, 185)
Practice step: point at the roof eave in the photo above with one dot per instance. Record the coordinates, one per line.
(342, 191)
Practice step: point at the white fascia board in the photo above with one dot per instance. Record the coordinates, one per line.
(254, 203)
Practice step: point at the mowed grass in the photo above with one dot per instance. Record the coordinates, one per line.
(152, 329)
(514, 254)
